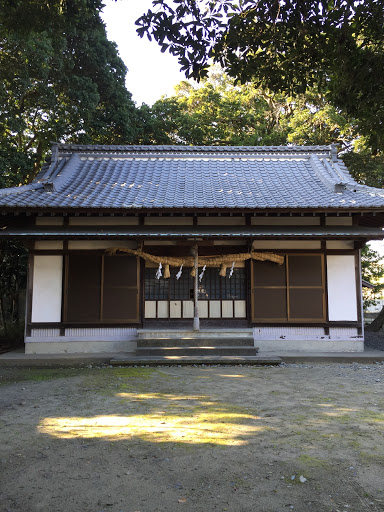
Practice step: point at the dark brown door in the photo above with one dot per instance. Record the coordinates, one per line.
(120, 300)
(102, 289)
(292, 292)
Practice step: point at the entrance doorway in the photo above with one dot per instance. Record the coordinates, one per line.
(172, 298)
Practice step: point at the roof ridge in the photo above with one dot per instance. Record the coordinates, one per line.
(342, 179)
(97, 148)
(61, 174)
(327, 174)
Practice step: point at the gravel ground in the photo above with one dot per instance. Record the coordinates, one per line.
(301, 437)
(374, 340)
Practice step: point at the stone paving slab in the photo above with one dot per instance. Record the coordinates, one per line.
(368, 356)
(188, 360)
(18, 358)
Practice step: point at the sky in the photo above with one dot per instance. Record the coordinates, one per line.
(151, 73)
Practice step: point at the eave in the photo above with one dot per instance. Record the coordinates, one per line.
(197, 232)
(187, 211)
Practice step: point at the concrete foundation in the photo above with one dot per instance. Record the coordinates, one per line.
(85, 346)
(286, 345)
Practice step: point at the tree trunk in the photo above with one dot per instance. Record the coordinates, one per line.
(377, 324)
(2, 312)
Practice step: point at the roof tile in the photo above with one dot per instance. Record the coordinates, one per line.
(194, 177)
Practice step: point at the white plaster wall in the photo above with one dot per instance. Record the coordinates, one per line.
(101, 244)
(342, 300)
(285, 221)
(286, 244)
(103, 221)
(48, 245)
(168, 221)
(47, 288)
(339, 244)
(221, 221)
(49, 221)
(338, 221)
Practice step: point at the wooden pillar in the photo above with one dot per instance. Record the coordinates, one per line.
(196, 320)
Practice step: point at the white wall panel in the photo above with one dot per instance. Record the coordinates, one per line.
(150, 309)
(203, 308)
(47, 288)
(227, 308)
(240, 309)
(188, 308)
(175, 309)
(162, 309)
(214, 309)
(342, 300)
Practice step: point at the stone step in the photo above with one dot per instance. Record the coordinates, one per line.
(213, 341)
(204, 333)
(196, 351)
(126, 360)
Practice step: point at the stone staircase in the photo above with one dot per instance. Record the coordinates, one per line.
(191, 343)
(208, 346)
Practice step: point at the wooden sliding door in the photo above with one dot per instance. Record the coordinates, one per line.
(292, 292)
(101, 289)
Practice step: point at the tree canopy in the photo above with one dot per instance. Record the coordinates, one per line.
(289, 47)
(217, 111)
(60, 80)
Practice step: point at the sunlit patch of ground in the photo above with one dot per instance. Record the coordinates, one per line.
(218, 429)
(182, 419)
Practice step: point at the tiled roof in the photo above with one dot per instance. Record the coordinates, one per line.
(186, 177)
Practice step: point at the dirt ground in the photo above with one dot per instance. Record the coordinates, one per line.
(295, 437)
